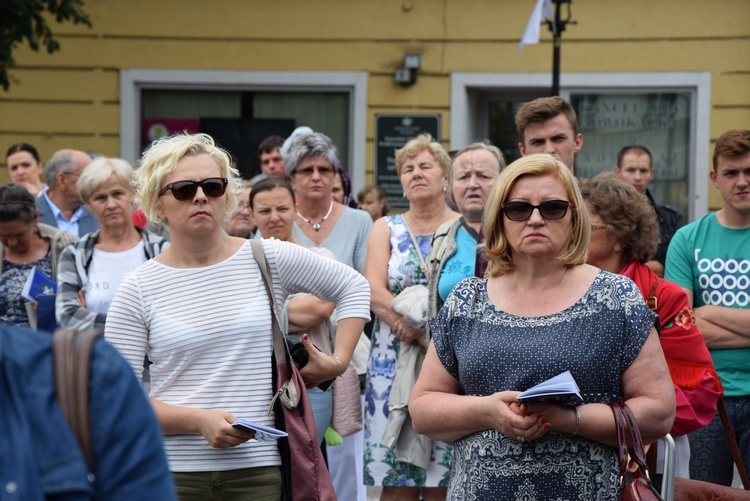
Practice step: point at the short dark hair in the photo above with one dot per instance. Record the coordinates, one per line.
(16, 204)
(629, 216)
(638, 150)
(23, 147)
(733, 143)
(542, 109)
(269, 144)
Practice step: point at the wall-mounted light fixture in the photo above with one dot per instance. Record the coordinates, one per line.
(406, 75)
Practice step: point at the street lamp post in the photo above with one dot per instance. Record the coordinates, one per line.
(557, 26)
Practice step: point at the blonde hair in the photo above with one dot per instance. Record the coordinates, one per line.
(423, 142)
(162, 157)
(497, 250)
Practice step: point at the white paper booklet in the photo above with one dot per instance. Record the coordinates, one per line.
(561, 389)
(262, 433)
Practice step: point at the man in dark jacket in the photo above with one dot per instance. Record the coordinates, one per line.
(634, 165)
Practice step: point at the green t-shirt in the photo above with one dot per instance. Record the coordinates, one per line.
(714, 262)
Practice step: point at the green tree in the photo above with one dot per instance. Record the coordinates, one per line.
(27, 20)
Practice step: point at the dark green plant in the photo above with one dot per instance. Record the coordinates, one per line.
(26, 20)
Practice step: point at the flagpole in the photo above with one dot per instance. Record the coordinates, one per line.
(557, 26)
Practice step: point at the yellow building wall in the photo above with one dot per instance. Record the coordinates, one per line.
(71, 98)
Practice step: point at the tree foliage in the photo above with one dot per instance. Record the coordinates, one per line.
(26, 20)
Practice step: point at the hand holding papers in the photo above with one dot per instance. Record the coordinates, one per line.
(262, 433)
(561, 389)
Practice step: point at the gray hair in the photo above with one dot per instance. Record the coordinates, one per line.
(60, 162)
(316, 144)
(99, 171)
(481, 145)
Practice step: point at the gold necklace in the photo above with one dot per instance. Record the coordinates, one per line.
(316, 226)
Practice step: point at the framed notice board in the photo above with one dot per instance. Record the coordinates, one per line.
(391, 133)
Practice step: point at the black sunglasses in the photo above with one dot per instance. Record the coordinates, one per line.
(213, 187)
(521, 211)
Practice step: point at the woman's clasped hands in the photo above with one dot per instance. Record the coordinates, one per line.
(521, 422)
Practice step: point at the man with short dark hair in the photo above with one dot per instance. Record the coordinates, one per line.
(60, 205)
(710, 260)
(271, 161)
(549, 125)
(634, 165)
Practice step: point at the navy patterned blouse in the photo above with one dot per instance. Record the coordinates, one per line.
(488, 350)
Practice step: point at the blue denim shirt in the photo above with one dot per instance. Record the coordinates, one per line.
(39, 455)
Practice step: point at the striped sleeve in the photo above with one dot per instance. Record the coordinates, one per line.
(125, 326)
(295, 269)
(69, 312)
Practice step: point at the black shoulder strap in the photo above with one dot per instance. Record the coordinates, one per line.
(71, 352)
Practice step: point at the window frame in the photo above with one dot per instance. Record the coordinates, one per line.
(468, 89)
(133, 81)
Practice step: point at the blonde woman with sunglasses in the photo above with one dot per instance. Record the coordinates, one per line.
(541, 311)
(200, 313)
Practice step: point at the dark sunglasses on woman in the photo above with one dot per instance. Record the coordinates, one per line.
(213, 187)
(550, 210)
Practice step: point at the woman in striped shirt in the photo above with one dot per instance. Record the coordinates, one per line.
(200, 313)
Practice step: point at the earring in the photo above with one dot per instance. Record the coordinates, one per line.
(445, 188)
(403, 194)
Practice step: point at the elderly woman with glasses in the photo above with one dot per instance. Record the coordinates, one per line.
(624, 237)
(541, 311)
(90, 271)
(241, 222)
(311, 162)
(200, 312)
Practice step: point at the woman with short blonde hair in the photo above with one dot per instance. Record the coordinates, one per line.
(200, 312)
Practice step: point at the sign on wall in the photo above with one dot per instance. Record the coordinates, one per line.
(391, 133)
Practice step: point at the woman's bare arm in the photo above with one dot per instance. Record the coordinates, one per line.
(376, 273)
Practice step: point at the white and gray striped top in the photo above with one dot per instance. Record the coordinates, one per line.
(207, 332)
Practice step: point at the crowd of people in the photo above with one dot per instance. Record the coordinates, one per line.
(496, 278)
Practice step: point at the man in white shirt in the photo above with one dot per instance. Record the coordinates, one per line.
(60, 205)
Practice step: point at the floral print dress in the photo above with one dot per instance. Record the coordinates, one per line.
(381, 467)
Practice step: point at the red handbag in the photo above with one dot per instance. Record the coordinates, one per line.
(636, 485)
(305, 476)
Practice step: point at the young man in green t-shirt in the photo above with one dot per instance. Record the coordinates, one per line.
(710, 260)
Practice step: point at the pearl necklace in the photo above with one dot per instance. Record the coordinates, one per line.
(316, 226)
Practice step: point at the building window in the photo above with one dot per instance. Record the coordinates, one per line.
(658, 121)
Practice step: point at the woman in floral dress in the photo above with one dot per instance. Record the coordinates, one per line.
(393, 263)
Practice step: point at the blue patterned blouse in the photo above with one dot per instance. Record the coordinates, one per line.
(488, 350)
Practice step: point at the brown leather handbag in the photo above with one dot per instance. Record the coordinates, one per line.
(636, 485)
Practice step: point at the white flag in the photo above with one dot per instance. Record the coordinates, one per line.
(542, 10)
